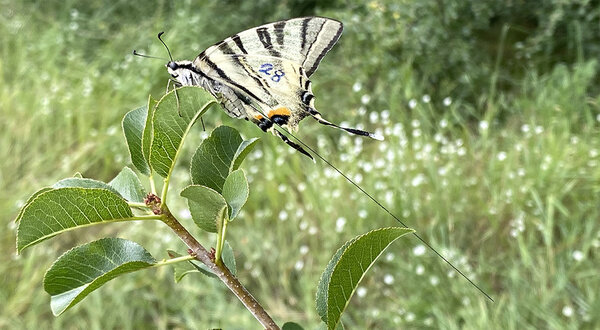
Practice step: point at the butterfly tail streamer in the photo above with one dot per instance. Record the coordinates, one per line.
(317, 116)
(384, 208)
(292, 144)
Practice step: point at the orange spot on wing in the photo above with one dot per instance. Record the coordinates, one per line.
(258, 117)
(283, 111)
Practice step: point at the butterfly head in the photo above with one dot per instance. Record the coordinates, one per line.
(172, 68)
(181, 71)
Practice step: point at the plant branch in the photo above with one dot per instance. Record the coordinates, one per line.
(219, 270)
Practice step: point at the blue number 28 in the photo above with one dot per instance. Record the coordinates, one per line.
(266, 68)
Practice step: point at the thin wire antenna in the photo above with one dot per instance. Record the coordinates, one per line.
(202, 121)
(148, 56)
(168, 51)
(380, 205)
(388, 212)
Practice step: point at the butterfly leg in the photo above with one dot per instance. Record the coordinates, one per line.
(176, 95)
(317, 116)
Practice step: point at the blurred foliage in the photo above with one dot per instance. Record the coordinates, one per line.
(490, 112)
(473, 49)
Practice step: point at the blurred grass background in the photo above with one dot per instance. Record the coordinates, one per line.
(490, 111)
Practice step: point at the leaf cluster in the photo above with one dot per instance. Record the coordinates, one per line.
(155, 135)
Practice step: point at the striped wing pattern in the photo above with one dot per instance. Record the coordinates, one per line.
(279, 84)
(267, 67)
(262, 74)
(304, 41)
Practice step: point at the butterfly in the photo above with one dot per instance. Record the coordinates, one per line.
(262, 74)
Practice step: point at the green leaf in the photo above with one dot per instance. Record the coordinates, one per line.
(29, 200)
(133, 127)
(147, 134)
(59, 210)
(229, 258)
(206, 206)
(347, 267)
(235, 192)
(170, 126)
(220, 154)
(83, 183)
(181, 269)
(87, 267)
(128, 185)
(241, 153)
(291, 326)
(202, 268)
(324, 281)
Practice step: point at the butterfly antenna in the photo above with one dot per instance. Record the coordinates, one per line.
(378, 204)
(148, 56)
(168, 51)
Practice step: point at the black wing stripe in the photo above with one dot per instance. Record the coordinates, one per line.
(253, 75)
(279, 29)
(332, 42)
(224, 76)
(301, 75)
(312, 44)
(304, 32)
(265, 38)
(227, 50)
(307, 97)
(242, 97)
(304, 41)
(239, 43)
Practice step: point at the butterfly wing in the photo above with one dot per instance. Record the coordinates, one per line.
(262, 74)
(267, 67)
(261, 85)
(268, 86)
(303, 41)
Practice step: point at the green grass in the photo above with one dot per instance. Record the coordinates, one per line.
(507, 189)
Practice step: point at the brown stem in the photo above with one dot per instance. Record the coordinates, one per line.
(219, 270)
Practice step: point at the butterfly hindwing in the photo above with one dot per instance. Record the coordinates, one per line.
(271, 83)
(304, 41)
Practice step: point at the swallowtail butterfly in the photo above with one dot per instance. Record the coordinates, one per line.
(262, 74)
